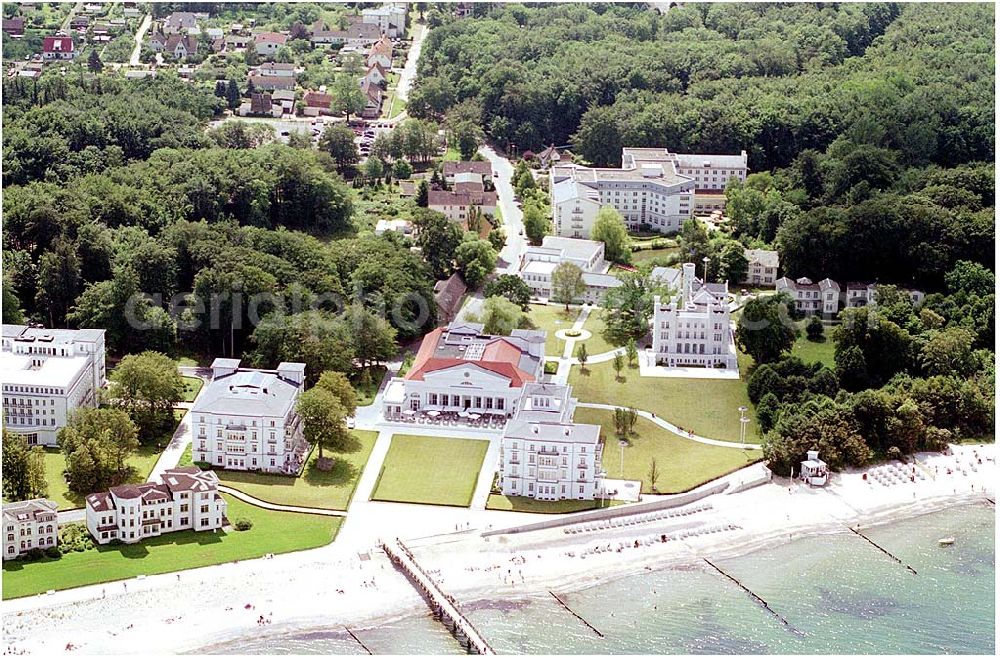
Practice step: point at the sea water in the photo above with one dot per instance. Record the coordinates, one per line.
(832, 593)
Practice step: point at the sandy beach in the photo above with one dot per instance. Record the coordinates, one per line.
(351, 584)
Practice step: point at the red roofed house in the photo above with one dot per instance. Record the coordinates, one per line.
(466, 191)
(14, 26)
(459, 368)
(376, 74)
(373, 99)
(268, 43)
(381, 53)
(186, 498)
(315, 103)
(54, 48)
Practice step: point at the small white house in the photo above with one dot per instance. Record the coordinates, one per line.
(813, 470)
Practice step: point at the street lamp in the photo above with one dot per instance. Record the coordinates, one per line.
(743, 424)
(706, 260)
(621, 444)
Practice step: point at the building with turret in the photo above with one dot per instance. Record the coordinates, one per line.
(692, 327)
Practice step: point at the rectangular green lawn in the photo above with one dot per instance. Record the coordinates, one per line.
(596, 344)
(272, 532)
(708, 407)
(683, 464)
(810, 351)
(331, 489)
(525, 504)
(552, 318)
(430, 470)
(192, 386)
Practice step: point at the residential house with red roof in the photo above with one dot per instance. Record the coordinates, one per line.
(381, 53)
(58, 48)
(185, 498)
(462, 369)
(315, 103)
(373, 100)
(268, 43)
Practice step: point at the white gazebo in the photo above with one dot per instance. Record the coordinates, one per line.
(813, 470)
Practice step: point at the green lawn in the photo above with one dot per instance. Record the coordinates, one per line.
(452, 154)
(272, 532)
(596, 344)
(683, 463)
(649, 254)
(423, 469)
(552, 318)
(55, 463)
(192, 386)
(367, 391)
(314, 488)
(186, 361)
(525, 504)
(707, 407)
(810, 351)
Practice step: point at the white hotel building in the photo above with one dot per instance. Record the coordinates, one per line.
(654, 188)
(544, 454)
(460, 368)
(29, 524)
(245, 419)
(692, 328)
(187, 498)
(538, 264)
(46, 374)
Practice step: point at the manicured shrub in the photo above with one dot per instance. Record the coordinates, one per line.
(243, 524)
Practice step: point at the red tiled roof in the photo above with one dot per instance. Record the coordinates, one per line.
(270, 37)
(317, 99)
(500, 356)
(65, 45)
(467, 167)
(516, 376)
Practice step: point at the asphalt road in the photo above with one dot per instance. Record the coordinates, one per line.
(513, 222)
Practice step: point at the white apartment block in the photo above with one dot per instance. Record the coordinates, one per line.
(29, 524)
(46, 374)
(245, 419)
(545, 455)
(459, 368)
(692, 328)
(762, 267)
(654, 188)
(538, 264)
(809, 297)
(391, 20)
(866, 294)
(186, 498)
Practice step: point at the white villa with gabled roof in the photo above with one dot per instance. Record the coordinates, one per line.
(692, 328)
(27, 525)
(245, 419)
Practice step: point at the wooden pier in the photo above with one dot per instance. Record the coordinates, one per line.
(442, 607)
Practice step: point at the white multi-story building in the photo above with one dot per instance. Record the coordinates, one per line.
(544, 454)
(390, 19)
(654, 188)
(538, 264)
(46, 374)
(245, 419)
(762, 267)
(29, 524)
(866, 294)
(692, 328)
(809, 297)
(186, 498)
(459, 368)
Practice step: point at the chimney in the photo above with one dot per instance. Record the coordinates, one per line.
(813, 455)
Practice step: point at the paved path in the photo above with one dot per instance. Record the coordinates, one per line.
(409, 73)
(256, 502)
(147, 20)
(673, 428)
(513, 223)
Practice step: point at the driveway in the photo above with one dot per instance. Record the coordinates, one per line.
(409, 73)
(139, 34)
(513, 222)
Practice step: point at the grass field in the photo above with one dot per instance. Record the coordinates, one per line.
(596, 344)
(452, 154)
(707, 407)
(649, 254)
(314, 488)
(192, 386)
(525, 504)
(272, 532)
(55, 463)
(429, 470)
(367, 393)
(810, 351)
(552, 318)
(683, 464)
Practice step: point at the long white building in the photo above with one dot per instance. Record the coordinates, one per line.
(29, 524)
(46, 374)
(654, 189)
(186, 498)
(544, 454)
(462, 369)
(692, 327)
(245, 419)
(538, 264)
